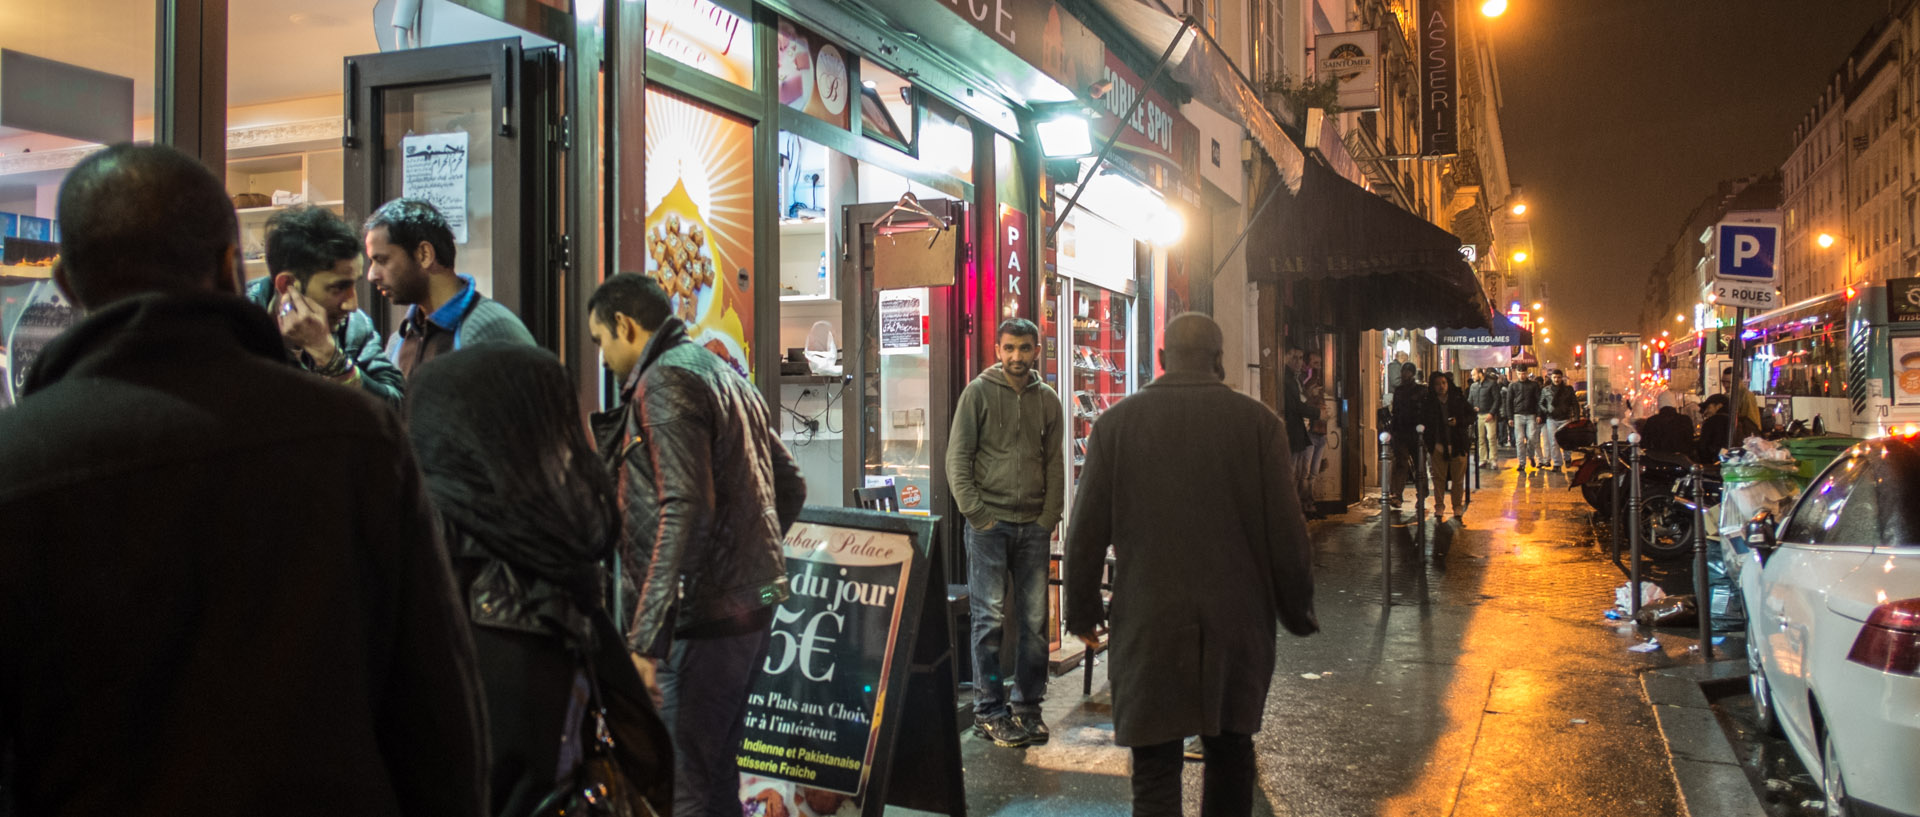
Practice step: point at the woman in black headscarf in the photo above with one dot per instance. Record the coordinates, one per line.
(529, 514)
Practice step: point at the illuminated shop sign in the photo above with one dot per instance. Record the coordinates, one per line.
(703, 35)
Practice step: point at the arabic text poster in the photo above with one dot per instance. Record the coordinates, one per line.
(434, 168)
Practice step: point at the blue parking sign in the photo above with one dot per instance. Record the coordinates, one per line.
(1746, 251)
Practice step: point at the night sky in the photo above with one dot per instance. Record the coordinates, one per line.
(1621, 115)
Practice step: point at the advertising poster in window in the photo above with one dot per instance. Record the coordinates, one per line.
(815, 711)
(699, 236)
(1906, 371)
(903, 318)
(813, 75)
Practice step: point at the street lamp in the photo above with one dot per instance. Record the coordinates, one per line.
(1536, 306)
(1520, 257)
(1825, 240)
(1493, 8)
(1679, 319)
(1520, 209)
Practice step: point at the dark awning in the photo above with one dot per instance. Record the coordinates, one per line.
(1356, 261)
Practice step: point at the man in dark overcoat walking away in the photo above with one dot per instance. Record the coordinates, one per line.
(1210, 552)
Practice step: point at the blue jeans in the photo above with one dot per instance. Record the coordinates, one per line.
(1008, 559)
(1526, 434)
(705, 682)
(1554, 454)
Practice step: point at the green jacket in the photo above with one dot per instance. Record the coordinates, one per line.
(1005, 457)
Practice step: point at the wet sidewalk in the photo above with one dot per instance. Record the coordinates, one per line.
(1492, 685)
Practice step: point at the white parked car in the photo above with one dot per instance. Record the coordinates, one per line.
(1833, 627)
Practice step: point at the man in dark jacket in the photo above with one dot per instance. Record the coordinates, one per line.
(1561, 405)
(1523, 405)
(1205, 506)
(1668, 432)
(221, 591)
(1408, 396)
(1005, 465)
(1486, 396)
(410, 257)
(1449, 421)
(709, 491)
(311, 268)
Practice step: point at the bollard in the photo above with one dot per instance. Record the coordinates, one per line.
(1420, 485)
(1613, 462)
(1633, 578)
(1700, 591)
(1386, 520)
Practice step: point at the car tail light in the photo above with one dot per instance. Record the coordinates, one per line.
(1890, 641)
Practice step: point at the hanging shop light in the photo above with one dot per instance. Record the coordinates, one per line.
(1065, 130)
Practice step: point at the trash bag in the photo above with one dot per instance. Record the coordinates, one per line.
(1649, 593)
(1669, 611)
(1725, 605)
(822, 352)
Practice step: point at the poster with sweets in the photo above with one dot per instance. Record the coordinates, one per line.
(700, 237)
(814, 76)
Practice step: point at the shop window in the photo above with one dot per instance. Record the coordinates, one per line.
(946, 141)
(886, 107)
(814, 182)
(113, 37)
(703, 35)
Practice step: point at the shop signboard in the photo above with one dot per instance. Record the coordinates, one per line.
(1013, 261)
(1906, 370)
(1478, 337)
(813, 75)
(1903, 300)
(1040, 33)
(434, 169)
(700, 235)
(1159, 144)
(1439, 80)
(47, 313)
(1352, 58)
(704, 35)
(846, 687)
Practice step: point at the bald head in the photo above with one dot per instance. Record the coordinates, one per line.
(144, 218)
(1193, 344)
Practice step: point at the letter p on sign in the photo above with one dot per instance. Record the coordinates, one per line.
(1746, 251)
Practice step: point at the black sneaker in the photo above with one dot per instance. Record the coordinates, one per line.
(1035, 728)
(1002, 731)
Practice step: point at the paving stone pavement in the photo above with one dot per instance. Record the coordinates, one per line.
(1493, 685)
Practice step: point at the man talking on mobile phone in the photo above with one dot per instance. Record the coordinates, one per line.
(312, 262)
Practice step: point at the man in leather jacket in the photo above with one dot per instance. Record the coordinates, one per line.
(1523, 406)
(708, 492)
(1561, 406)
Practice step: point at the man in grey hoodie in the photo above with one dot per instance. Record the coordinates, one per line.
(1004, 463)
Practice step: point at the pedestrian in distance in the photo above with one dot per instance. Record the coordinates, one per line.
(1561, 405)
(1208, 508)
(1523, 405)
(410, 259)
(1449, 419)
(1005, 466)
(1295, 415)
(312, 262)
(709, 492)
(529, 516)
(1486, 395)
(1409, 395)
(1314, 388)
(221, 590)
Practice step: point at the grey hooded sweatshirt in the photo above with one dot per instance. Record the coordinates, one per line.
(1004, 457)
